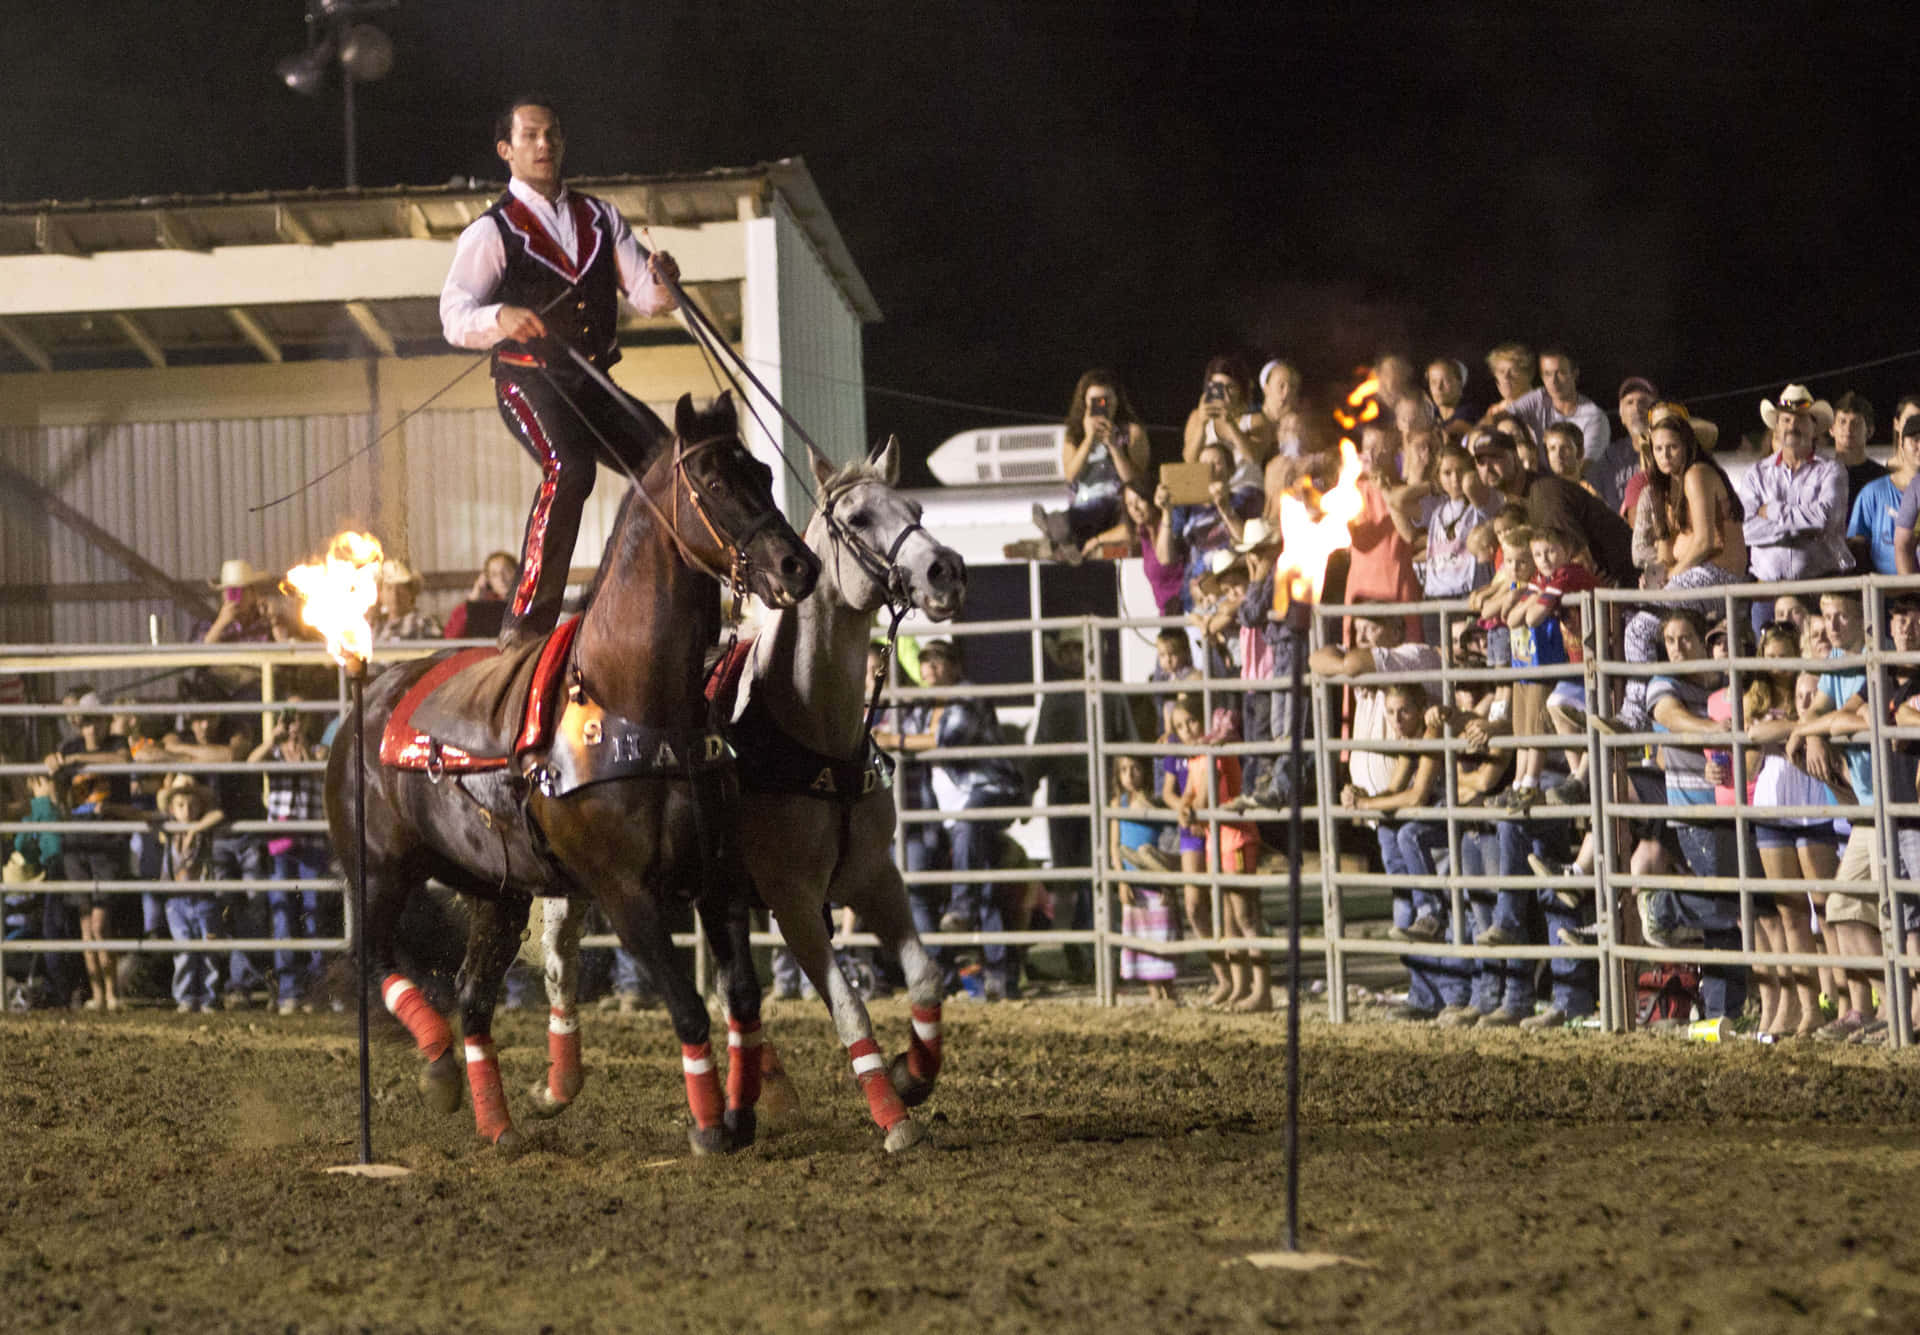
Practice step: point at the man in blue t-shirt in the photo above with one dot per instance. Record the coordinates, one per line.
(1888, 504)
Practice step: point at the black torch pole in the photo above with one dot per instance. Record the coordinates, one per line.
(357, 674)
(1299, 618)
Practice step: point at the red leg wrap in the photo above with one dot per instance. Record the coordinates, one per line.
(489, 1100)
(563, 1056)
(427, 1025)
(703, 1084)
(743, 1063)
(923, 1052)
(870, 1069)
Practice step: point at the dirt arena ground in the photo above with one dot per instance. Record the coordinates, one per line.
(1087, 1170)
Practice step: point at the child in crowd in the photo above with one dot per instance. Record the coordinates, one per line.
(1512, 569)
(1241, 981)
(192, 915)
(1173, 654)
(1145, 911)
(1540, 626)
(1453, 570)
(295, 914)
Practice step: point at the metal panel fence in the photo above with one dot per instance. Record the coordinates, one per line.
(1606, 811)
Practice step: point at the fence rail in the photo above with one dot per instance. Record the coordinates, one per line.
(1606, 812)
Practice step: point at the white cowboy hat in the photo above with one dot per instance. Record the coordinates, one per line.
(395, 571)
(239, 574)
(1219, 564)
(1797, 399)
(1257, 533)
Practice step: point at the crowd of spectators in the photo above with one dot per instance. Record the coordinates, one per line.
(1501, 516)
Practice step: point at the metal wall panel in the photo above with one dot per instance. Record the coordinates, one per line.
(822, 373)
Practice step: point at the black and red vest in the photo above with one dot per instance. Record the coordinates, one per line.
(580, 304)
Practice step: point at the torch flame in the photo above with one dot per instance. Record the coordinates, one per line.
(1313, 526)
(1362, 395)
(337, 592)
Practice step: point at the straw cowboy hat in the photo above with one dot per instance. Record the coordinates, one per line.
(1256, 534)
(19, 871)
(395, 571)
(239, 574)
(1707, 433)
(1220, 564)
(1797, 399)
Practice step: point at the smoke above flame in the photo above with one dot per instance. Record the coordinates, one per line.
(337, 591)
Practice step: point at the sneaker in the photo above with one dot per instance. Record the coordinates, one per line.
(185, 1007)
(1426, 927)
(287, 1006)
(1843, 1028)
(1457, 1017)
(1519, 800)
(1547, 1019)
(1554, 871)
(1501, 1019)
(1676, 938)
(1578, 936)
(1873, 1033)
(1572, 793)
(956, 922)
(1497, 936)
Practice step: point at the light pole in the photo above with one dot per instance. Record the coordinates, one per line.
(335, 31)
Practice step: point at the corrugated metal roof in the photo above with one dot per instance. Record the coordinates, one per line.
(199, 335)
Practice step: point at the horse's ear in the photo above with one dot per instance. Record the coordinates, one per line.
(885, 459)
(683, 425)
(723, 405)
(822, 466)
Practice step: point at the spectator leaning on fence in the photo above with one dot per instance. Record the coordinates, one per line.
(1841, 716)
(294, 915)
(192, 914)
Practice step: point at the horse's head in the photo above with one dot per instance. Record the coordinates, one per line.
(729, 519)
(876, 548)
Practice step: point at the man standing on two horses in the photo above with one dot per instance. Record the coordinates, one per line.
(538, 278)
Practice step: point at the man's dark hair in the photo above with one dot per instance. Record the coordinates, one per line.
(1859, 405)
(1906, 400)
(503, 123)
(1558, 353)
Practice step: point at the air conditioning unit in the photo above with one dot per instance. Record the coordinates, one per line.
(999, 454)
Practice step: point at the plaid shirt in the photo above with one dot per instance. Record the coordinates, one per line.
(294, 796)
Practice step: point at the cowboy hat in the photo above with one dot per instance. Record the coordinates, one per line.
(1256, 534)
(19, 871)
(239, 574)
(1707, 433)
(1797, 399)
(395, 571)
(186, 784)
(1219, 565)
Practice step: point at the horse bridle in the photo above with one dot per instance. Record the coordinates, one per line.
(883, 570)
(735, 546)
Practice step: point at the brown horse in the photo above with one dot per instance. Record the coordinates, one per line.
(634, 799)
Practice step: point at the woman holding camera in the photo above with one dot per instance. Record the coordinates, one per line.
(1105, 449)
(1225, 415)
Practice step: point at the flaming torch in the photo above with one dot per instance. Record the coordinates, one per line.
(1313, 526)
(336, 593)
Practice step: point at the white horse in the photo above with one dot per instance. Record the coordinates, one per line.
(816, 813)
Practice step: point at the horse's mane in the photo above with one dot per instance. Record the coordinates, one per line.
(629, 528)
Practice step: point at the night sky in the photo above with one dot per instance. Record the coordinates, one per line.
(1712, 195)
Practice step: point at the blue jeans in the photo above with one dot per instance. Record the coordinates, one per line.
(1431, 982)
(294, 915)
(240, 857)
(926, 850)
(1576, 982)
(196, 974)
(972, 844)
(1497, 984)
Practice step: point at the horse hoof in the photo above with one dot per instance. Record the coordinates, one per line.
(904, 1136)
(741, 1125)
(708, 1140)
(440, 1083)
(913, 1090)
(779, 1100)
(544, 1104)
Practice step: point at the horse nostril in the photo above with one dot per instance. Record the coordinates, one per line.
(791, 567)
